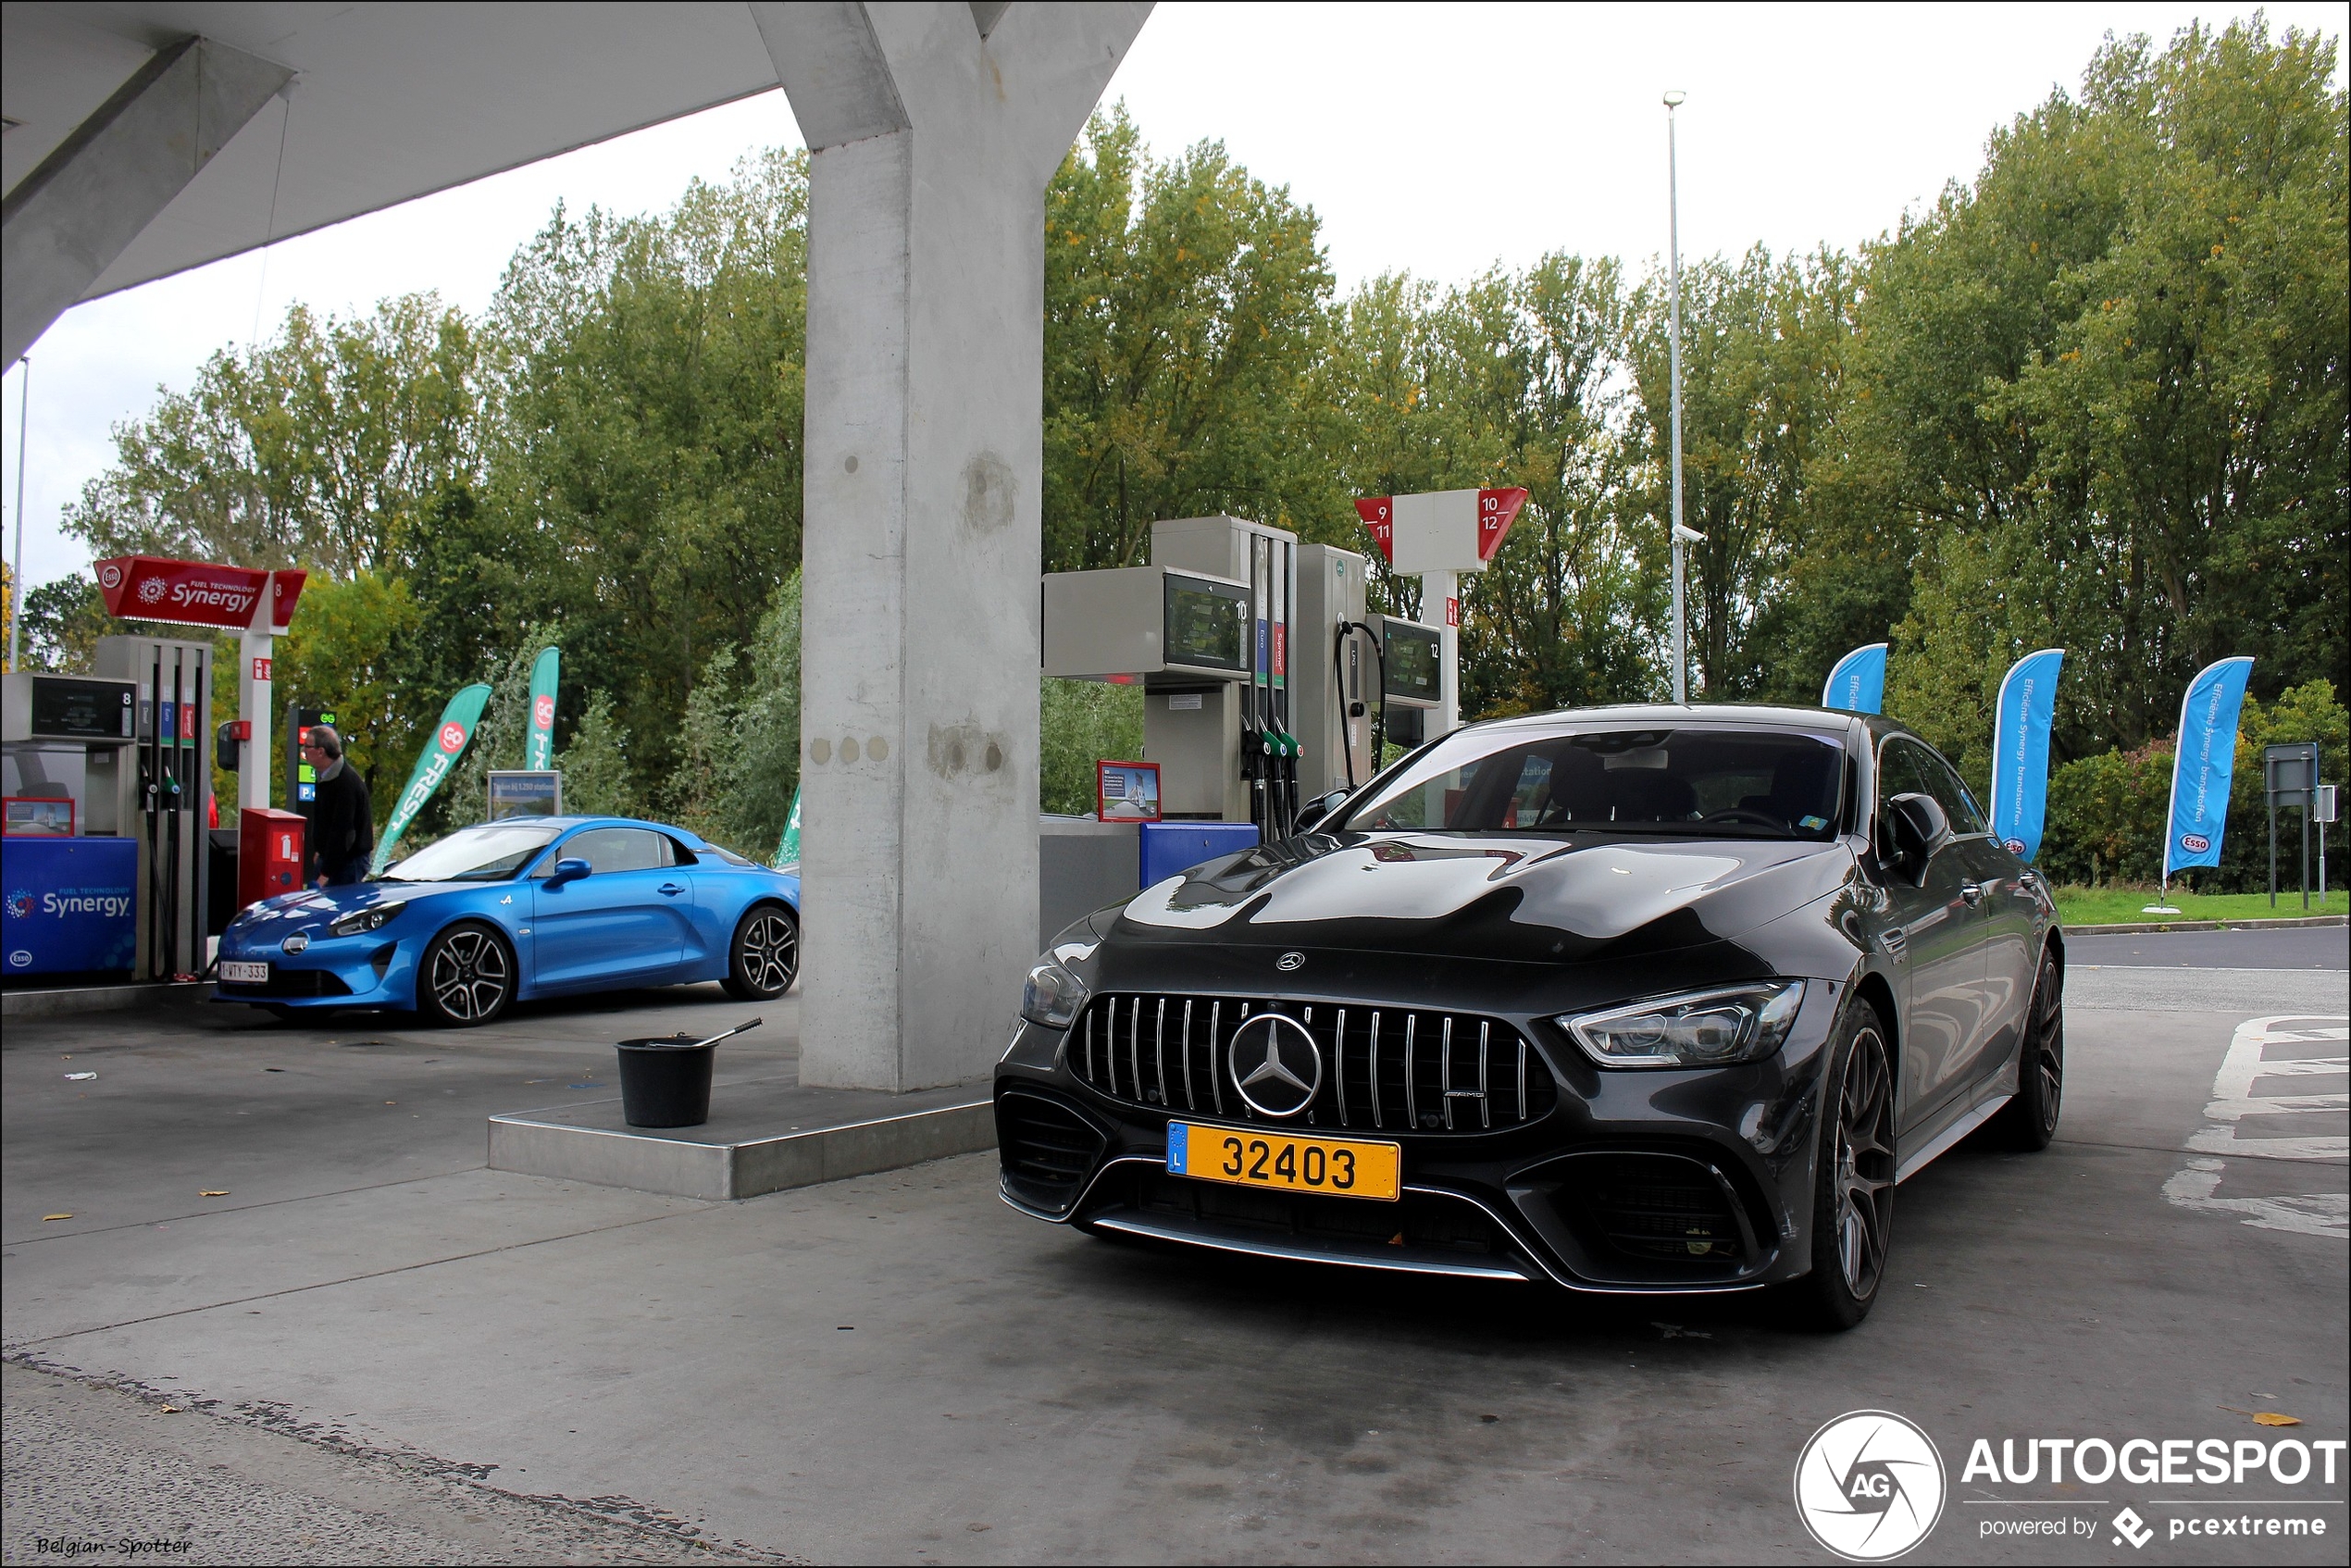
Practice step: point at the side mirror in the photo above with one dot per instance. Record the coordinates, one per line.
(572, 869)
(1315, 811)
(1916, 826)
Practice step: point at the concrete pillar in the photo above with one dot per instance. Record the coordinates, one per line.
(68, 220)
(933, 129)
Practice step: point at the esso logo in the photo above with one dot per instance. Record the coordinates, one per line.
(109, 575)
(542, 712)
(20, 959)
(452, 738)
(2195, 844)
(1870, 1485)
(2014, 846)
(152, 589)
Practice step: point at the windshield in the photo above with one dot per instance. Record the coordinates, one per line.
(1688, 781)
(475, 854)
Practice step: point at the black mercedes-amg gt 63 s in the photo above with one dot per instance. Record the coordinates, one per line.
(1623, 1000)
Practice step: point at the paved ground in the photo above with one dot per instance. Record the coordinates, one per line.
(2291, 947)
(900, 1368)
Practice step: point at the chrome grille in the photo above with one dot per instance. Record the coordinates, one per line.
(1384, 1069)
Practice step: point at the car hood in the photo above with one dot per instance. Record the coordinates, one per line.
(313, 909)
(1485, 897)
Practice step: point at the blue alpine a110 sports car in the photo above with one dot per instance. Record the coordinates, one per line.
(528, 906)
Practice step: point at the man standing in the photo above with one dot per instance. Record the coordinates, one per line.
(342, 820)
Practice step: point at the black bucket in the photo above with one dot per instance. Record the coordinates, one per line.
(666, 1083)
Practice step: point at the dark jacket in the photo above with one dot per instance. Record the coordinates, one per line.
(342, 822)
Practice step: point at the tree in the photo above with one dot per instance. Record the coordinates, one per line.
(1185, 310)
(2121, 353)
(318, 448)
(647, 439)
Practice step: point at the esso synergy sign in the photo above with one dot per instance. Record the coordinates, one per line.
(149, 588)
(1444, 531)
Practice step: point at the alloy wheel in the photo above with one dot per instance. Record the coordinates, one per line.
(771, 953)
(2044, 1057)
(1864, 1171)
(469, 976)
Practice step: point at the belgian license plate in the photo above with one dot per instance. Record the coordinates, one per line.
(237, 973)
(1286, 1161)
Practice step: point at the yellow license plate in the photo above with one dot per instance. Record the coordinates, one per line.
(1254, 1157)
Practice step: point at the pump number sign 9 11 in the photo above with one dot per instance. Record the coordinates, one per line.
(1256, 1157)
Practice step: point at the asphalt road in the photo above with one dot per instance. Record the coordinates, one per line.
(2290, 947)
(371, 1334)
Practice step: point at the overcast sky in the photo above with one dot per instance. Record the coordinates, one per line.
(1438, 140)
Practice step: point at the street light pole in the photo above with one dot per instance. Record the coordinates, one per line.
(1674, 246)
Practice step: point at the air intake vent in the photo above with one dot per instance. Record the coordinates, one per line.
(1048, 1150)
(1661, 1209)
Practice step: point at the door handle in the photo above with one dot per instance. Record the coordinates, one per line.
(671, 890)
(1973, 892)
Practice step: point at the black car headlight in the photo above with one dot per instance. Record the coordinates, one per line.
(1052, 997)
(1708, 1028)
(361, 921)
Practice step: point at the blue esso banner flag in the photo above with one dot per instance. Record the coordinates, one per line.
(449, 738)
(1858, 684)
(2020, 751)
(2200, 773)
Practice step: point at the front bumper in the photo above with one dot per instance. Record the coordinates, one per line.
(1597, 1194)
(362, 971)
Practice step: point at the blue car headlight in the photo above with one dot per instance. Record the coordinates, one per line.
(1708, 1028)
(1052, 997)
(361, 921)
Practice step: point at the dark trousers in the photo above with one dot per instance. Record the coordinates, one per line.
(350, 871)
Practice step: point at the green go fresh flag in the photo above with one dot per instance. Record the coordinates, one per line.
(538, 741)
(788, 848)
(456, 728)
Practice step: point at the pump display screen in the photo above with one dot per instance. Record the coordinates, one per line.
(1412, 662)
(1205, 623)
(65, 708)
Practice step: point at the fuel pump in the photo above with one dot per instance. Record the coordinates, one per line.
(171, 785)
(1207, 629)
(1334, 677)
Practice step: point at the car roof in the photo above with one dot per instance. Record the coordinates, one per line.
(566, 824)
(1664, 714)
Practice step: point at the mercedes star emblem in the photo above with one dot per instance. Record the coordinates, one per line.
(1268, 1081)
(1290, 963)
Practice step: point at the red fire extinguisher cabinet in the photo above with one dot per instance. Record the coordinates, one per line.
(269, 854)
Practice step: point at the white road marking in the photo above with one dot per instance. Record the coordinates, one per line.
(2197, 1185)
(2320, 1214)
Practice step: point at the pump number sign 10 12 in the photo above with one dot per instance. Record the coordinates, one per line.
(1285, 1161)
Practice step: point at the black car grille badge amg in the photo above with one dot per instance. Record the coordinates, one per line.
(1343, 1065)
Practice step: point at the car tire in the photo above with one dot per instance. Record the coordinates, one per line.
(2029, 1121)
(1853, 1183)
(764, 959)
(466, 977)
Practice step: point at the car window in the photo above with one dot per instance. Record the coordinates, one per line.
(472, 854)
(607, 850)
(1900, 771)
(1907, 767)
(1738, 783)
(1952, 795)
